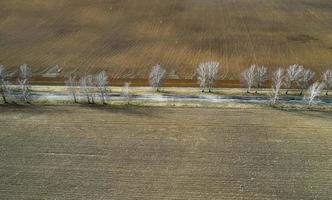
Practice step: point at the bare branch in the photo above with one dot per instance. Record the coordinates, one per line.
(313, 92)
(25, 75)
(305, 78)
(101, 81)
(261, 77)
(278, 78)
(4, 84)
(249, 77)
(25, 72)
(126, 91)
(327, 80)
(85, 87)
(72, 84)
(157, 76)
(202, 76)
(207, 74)
(294, 73)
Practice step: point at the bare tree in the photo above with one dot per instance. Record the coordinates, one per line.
(126, 92)
(213, 74)
(91, 87)
(327, 80)
(202, 76)
(4, 83)
(313, 92)
(24, 81)
(157, 76)
(101, 81)
(85, 83)
(294, 73)
(306, 77)
(249, 77)
(72, 84)
(278, 78)
(261, 77)
(207, 74)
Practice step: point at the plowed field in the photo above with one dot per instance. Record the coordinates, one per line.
(80, 152)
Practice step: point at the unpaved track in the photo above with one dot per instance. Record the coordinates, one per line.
(80, 152)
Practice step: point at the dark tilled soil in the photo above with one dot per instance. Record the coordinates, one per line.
(81, 152)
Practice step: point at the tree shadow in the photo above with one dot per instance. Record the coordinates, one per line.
(163, 92)
(35, 109)
(145, 111)
(311, 111)
(32, 108)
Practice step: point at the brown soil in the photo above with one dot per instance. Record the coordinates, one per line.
(92, 152)
(126, 38)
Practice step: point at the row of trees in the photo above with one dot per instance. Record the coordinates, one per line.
(295, 76)
(88, 86)
(207, 75)
(95, 86)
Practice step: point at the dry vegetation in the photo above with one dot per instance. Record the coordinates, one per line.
(128, 37)
(83, 152)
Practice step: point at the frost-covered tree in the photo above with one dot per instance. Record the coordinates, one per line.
(101, 81)
(91, 87)
(293, 75)
(72, 84)
(208, 74)
(86, 84)
(249, 77)
(327, 80)
(202, 76)
(277, 79)
(126, 92)
(213, 74)
(157, 76)
(4, 84)
(313, 92)
(84, 88)
(306, 77)
(261, 77)
(24, 81)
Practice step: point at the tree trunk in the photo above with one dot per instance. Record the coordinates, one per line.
(103, 97)
(74, 95)
(88, 97)
(26, 98)
(4, 98)
(92, 100)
